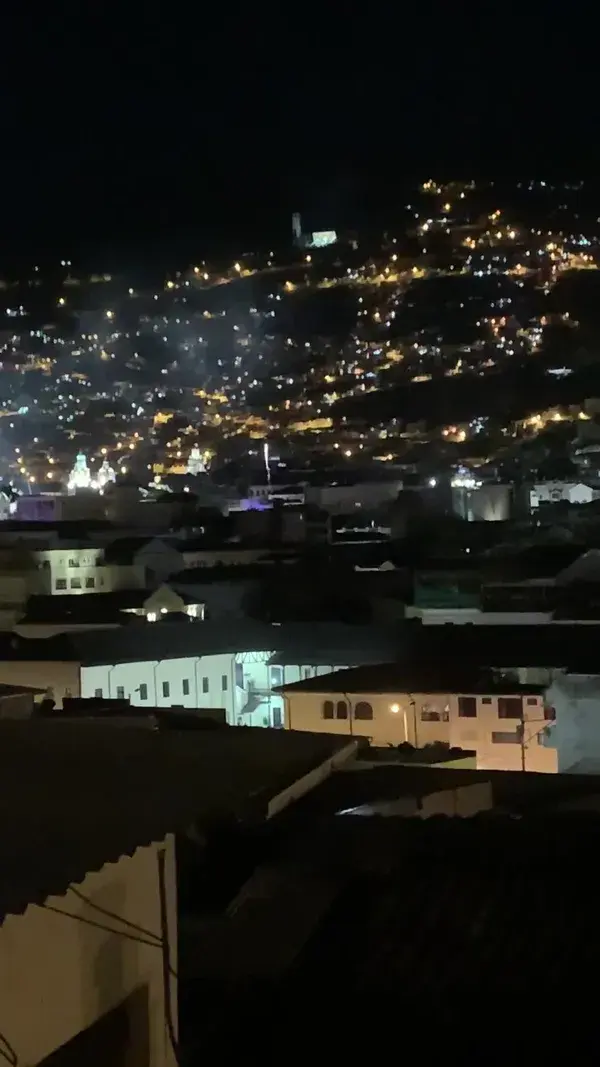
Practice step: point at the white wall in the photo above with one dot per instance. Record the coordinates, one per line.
(82, 570)
(210, 682)
(576, 698)
(59, 975)
(214, 682)
(440, 616)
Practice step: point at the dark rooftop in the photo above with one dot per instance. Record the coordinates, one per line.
(74, 797)
(431, 677)
(171, 640)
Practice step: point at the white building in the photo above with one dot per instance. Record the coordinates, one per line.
(235, 666)
(554, 492)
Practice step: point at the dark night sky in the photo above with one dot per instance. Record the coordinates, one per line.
(218, 125)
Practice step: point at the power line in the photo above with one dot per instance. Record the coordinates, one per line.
(100, 926)
(113, 915)
(10, 1056)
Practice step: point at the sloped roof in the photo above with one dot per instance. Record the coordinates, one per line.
(74, 796)
(442, 907)
(409, 678)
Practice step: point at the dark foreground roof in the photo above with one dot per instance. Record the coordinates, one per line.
(451, 912)
(74, 796)
(444, 907)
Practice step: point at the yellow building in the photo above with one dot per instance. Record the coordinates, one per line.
(507, 724)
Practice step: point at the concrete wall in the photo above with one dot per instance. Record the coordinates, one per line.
(59, 975)
(576, 699)
(62, 677)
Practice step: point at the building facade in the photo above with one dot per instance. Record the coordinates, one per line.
(508, 731)
(74, 989)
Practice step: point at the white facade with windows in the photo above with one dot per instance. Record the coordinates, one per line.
(83, 570)
(239, 682)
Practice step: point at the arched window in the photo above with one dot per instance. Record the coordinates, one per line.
(363, 710)
(341, 711)
(328, 709)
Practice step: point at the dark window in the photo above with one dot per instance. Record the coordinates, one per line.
(328, 709)
(224, 683)
(430, 715)
(486, 700)
(89, 583)
(61, 583)
(205, 685)
(363, 710)
(532, 700)
(166, 689)
(75, 583)
(120, 692)
(510, 708)
(467, 707)
(276, 675)
(505, 737)
(97, 692)
(239, 675)
(550, 714)
(73, 563)
(185, 685)
(341, 711)
(306, 672)
(143, 691)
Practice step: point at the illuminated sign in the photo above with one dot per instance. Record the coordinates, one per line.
(322, 238)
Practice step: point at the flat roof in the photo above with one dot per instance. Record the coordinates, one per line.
(74, 797)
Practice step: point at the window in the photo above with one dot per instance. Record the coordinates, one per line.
(61, 583)
(185, 685)
(550, 714)
(98, 693)
(205, 685)
(532, 701)
(223, 683)
(467, 707)
(363, 710)
(510, 708)
(166, 689)
(276, 676)
(73, 563)
(486, 700)
(239, 675)
(143, 691)
(75, 583)
(505, 737)
(120, 692)
(306, 672)
(328, 709)
(89, 583)
(341, 711)
(430, 715)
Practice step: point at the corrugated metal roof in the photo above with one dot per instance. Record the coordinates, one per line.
(74, 797)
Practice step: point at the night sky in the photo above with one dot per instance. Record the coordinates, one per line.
(154, 124)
